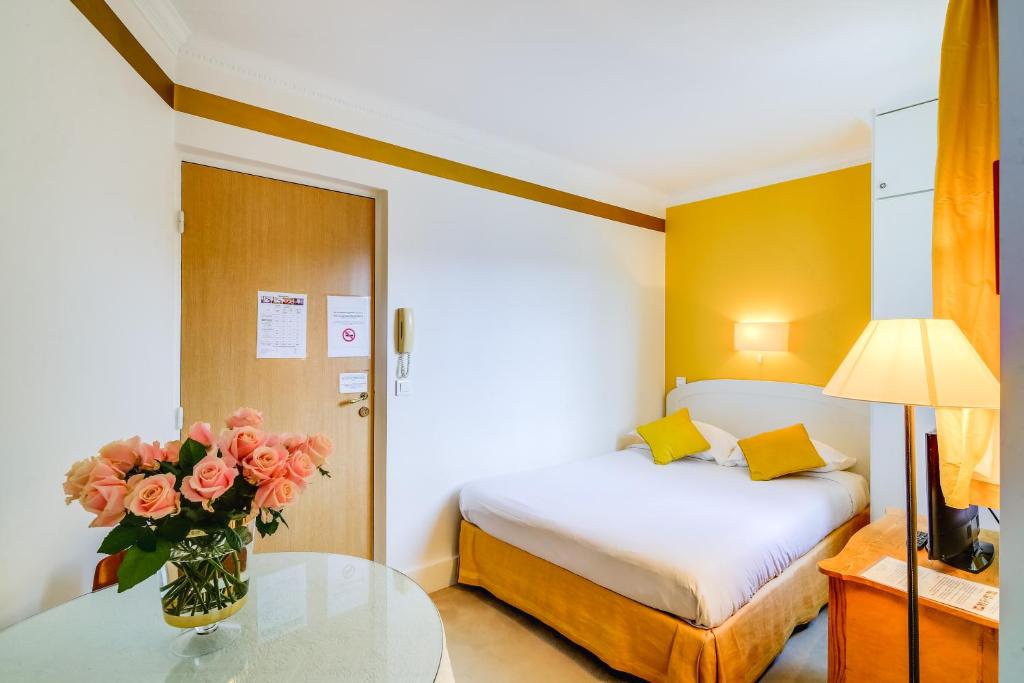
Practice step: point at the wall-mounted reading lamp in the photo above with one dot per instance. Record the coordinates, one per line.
(762, 337)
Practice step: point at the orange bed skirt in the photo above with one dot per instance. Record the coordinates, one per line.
(643, 641)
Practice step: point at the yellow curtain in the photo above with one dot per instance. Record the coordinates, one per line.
(964, 253)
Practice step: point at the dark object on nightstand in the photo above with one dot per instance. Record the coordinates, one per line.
(953, 533)
(922, 539)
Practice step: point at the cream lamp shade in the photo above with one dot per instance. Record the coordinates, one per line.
(761, 336)
(916, 362)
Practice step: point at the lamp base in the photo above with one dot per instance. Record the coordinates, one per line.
(975, 559)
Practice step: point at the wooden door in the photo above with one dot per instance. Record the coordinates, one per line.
(245, 234)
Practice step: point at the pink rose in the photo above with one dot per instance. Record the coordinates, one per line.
(105, 498)
(153, 497)
(319, 447)
(210, 479)
(201, 433)
(245, 417)
(171, 451)
(150, 456)
(122, 455)
(266, 462)
(291, 441)
(77, 478)
(104, 470)
(239, 443)
(275, 493)
(299, 468)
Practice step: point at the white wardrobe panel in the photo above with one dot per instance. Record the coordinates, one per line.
(889, 482)
(905, 147)
(901, 277)
(901, 257)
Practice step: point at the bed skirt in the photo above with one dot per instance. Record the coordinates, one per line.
(641, 640)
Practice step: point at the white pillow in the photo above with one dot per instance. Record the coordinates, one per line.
(834, 459)
(722, 442)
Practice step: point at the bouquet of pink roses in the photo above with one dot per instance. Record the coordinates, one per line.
(162, 498)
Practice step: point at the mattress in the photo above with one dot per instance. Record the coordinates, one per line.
(691, 538)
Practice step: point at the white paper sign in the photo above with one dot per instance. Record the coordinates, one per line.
(348, 326)
(280, 325)
(353, 382)
(971, 596)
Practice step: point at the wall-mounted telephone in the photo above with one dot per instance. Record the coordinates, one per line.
(403, 340)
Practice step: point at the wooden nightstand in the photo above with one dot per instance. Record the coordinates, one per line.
(867, 621)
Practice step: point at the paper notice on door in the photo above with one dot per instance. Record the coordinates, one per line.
(280, 325)
(353, 382)
(348, 326)
(970, 596)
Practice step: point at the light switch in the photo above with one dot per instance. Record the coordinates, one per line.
(403, 387)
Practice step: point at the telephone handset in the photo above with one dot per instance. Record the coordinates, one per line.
(403, 339)
(403, 330)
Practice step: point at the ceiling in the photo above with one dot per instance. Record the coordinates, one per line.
(677, 95)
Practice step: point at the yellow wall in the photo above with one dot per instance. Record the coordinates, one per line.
(799, 251)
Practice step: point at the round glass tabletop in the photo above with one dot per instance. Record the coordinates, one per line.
(309, 617)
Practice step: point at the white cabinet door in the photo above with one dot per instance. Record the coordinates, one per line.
(905, 145)
(901, 257)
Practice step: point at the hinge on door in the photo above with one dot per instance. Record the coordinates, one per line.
(181, 222)
(179, 418)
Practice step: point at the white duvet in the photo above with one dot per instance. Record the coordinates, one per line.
(691, 538)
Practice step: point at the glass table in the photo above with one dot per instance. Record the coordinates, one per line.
(309, 617)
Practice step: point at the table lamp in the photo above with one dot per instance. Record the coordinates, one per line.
(914, 362)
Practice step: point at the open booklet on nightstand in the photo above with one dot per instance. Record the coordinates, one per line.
(867, 612)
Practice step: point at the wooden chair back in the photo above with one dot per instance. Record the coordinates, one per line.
(106, 571)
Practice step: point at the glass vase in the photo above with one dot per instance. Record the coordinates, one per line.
(203, 583)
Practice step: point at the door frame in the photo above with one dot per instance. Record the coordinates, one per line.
(381, 347)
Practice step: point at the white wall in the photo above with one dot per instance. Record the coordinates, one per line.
(1011, 215)
(539, 332)
(89, 267)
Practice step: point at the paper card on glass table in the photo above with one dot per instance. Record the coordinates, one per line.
(281, 602)
(348, 326)
(348, 584)
(280, 325)
(970, 596)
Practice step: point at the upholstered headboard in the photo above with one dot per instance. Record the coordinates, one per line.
(748, 407)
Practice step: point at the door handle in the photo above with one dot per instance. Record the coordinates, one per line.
(347, 402)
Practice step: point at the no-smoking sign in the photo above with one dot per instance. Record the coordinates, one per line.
(348, 326)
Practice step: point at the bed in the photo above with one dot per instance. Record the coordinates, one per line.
(687, 572)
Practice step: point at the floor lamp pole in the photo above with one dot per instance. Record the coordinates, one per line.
(912, 624)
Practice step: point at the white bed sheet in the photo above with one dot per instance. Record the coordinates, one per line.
(691, 538)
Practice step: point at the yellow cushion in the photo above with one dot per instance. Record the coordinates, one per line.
(783, 451)
(673, 437)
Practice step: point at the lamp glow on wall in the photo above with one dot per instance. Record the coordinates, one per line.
(761, 337)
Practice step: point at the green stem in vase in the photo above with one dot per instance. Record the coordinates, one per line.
(209, 576)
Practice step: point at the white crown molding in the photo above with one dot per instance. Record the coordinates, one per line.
(202, 62)
(333, 96)
(166, 21)
(771, 176)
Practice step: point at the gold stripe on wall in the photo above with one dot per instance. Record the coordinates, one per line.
(216, 108)
(232, 112)
(117, 34)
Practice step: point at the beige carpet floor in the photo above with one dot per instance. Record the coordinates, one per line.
(490, 642)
